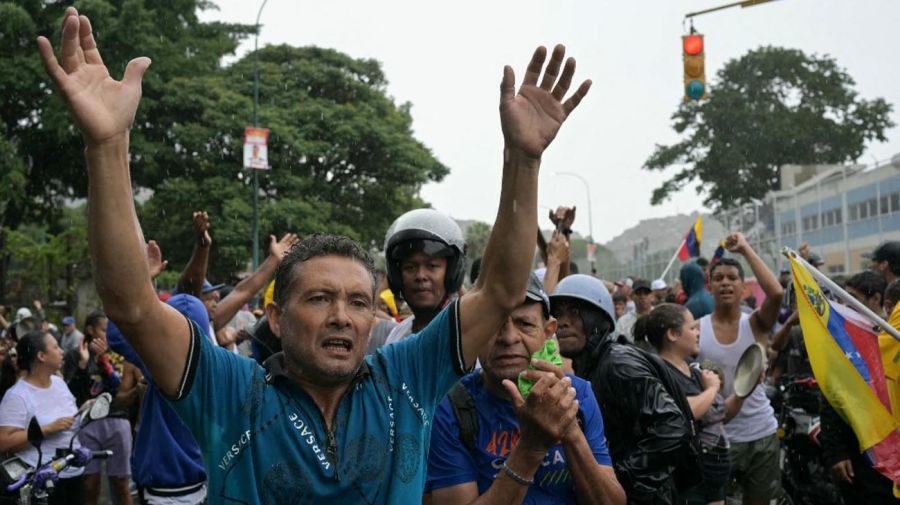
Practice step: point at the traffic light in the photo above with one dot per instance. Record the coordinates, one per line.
(694, 71)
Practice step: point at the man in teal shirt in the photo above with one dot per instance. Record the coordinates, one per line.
(321, 423)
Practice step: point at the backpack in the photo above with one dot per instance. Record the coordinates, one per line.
(467, 416)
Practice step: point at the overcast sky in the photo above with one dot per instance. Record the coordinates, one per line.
(446, 59)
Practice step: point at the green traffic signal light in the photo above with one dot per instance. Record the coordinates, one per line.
(694, 90)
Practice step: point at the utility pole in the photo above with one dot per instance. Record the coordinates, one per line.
(256, 124)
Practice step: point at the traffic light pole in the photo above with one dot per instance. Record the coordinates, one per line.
(745, 3)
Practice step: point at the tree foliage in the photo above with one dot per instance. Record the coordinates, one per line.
(477, 235)
(342, 151)
(771, 107)
(49, 260)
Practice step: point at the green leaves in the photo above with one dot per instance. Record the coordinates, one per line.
(343, 155)
(771, 107)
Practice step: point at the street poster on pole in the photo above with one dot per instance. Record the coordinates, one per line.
(256, 152)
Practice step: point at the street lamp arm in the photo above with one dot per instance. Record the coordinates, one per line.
(258, 14)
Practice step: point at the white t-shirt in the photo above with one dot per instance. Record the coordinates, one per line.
(24, 401)
(625, 325)
(401, 331)
(756, 419)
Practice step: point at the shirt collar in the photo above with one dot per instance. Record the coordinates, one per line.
(275, 368)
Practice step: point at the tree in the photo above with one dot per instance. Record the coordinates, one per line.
(477, 235)
(343, 155)
(47, 261)
(771, 107)
(41, 153)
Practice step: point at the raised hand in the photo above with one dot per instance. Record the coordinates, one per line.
(154, 259)
(558, 247)
(531, 118)
(102, 108)
(201, 228)
(84, 354)
(563, 217)
(277, 249)
(737, 243)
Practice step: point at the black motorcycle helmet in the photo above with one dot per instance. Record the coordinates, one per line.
(430, 232)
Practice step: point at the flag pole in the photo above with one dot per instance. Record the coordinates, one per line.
(674, 257)
(843, 295)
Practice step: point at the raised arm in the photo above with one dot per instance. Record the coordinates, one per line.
(557, 261)
(765, 316)
(247, 288)
(194, 273)
(104, 109)
(530, 120)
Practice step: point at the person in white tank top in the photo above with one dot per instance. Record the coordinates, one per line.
(724, 336)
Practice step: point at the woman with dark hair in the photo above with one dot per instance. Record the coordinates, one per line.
(41, 393)
(675, 334)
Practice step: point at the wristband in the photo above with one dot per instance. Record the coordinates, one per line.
(516, 477)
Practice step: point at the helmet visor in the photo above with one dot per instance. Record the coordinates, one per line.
(425, 246)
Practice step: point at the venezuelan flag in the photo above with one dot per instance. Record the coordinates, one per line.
(691, 246)
(720, 251)
(844, 353)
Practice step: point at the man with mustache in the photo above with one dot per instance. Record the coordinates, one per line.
(320, 423)
(547, 448)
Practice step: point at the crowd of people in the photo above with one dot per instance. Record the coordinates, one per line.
(525, 383)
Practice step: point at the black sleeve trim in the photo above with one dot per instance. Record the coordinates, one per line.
(456, 350)
(190, 366)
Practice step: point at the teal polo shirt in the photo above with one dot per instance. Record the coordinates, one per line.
(264, 441)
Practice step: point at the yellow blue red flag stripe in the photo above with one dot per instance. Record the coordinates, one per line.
(846, 360)
(691, 246)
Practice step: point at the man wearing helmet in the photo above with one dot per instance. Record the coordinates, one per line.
(645, 413)
(425, 256)
(322, 423)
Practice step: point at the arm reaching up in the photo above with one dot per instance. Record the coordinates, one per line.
(530, 119)
(104, 109)
(765, 316)
(247, 288)
(194, 273)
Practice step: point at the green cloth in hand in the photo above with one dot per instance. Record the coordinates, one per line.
(549, 352)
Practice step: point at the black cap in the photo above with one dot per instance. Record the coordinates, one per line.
(535, 292)
(887, 251)
(641, 284)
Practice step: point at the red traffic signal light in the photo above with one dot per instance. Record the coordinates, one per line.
(693, 44)
(694, 66)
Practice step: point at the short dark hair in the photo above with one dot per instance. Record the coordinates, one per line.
(653, 327)
(702, 262)
(868, 283)
(29, 346)
(314, 246)
(892, 292)
(620, 298)
(731, 262)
